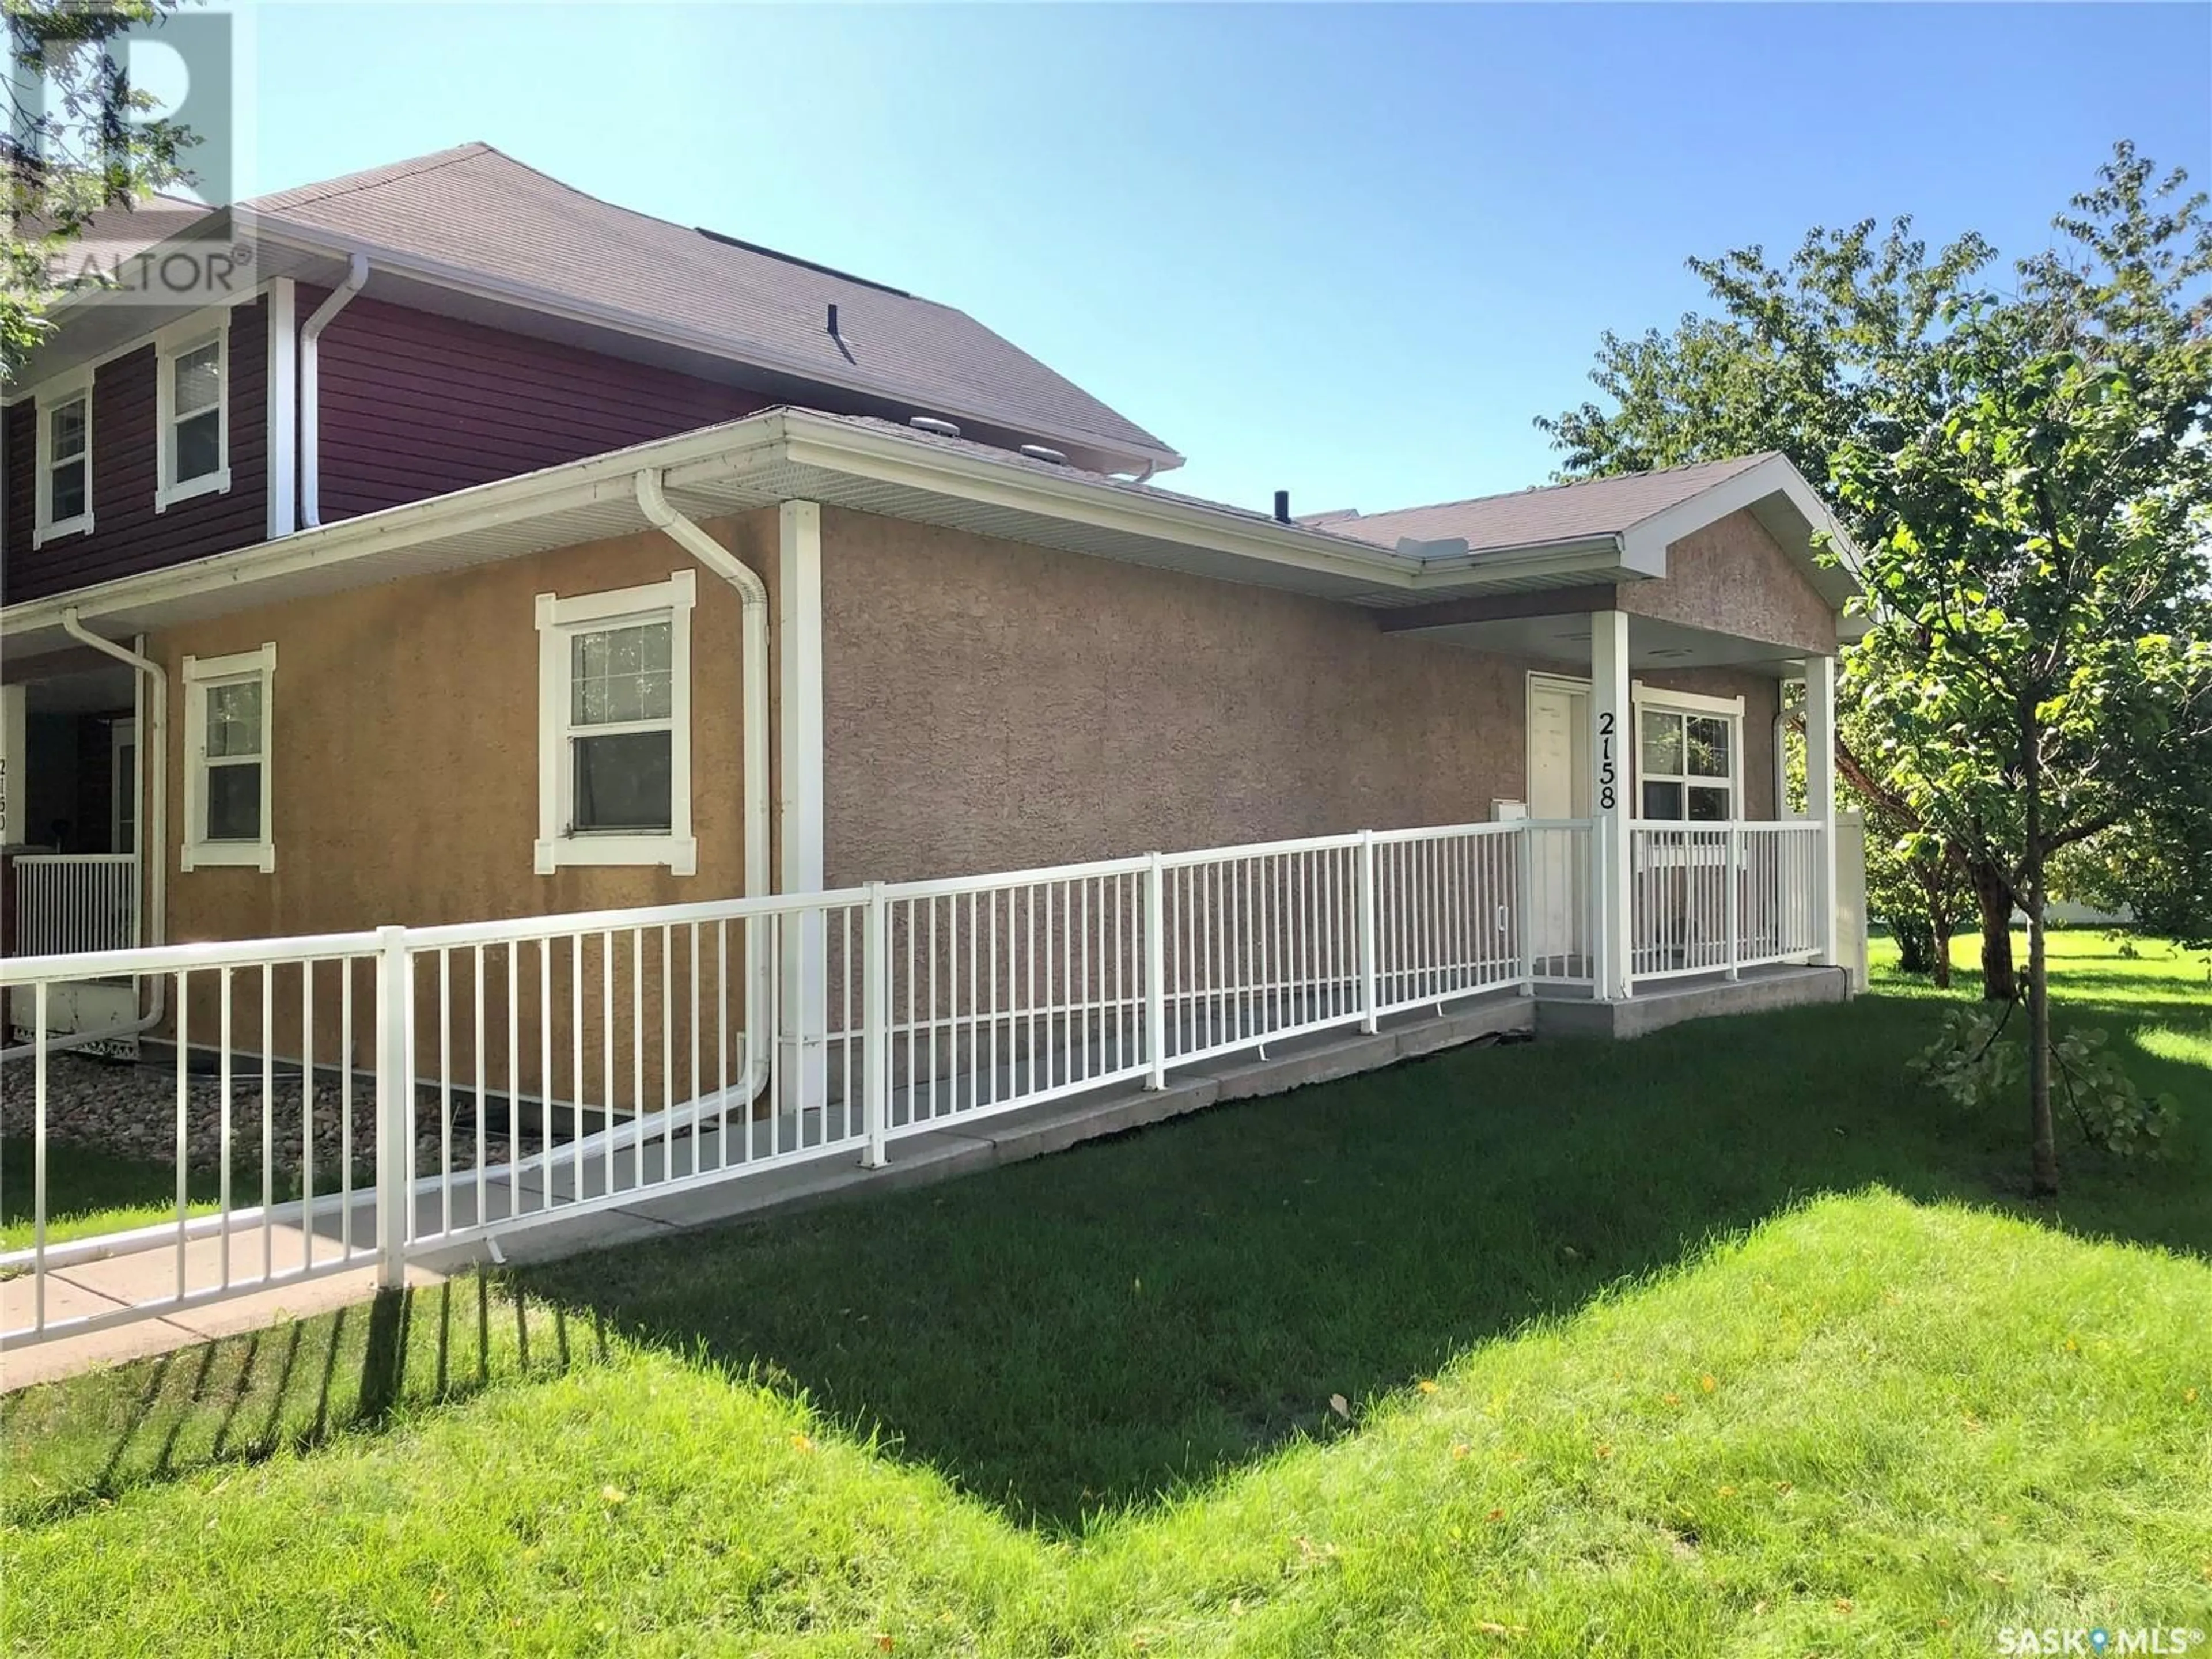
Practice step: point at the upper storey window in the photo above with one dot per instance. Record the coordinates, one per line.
(194, 413)
(64, 460)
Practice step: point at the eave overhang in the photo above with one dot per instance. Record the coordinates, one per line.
(787, 454)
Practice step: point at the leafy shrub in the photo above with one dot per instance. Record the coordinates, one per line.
(1976, 1068)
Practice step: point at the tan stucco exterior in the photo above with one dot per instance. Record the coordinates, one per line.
(988, 705)
(404, 730)
(991, 706)
(403, 734)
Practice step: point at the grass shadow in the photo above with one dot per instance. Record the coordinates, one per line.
(244, 1398)
(1097, 1329)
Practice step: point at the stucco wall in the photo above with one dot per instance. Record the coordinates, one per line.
(1731, 577)
(404, 740)
(405, 734)
(990, 705)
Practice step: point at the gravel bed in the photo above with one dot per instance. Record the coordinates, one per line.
(132, 1110)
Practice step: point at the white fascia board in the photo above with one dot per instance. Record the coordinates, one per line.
(748, 448)
(1585, 559)
(438, 274)
(888, 459)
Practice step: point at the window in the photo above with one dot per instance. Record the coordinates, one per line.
(1686, 756)
(64, 463)
(227, 726)
(193, 417)
(614, 743)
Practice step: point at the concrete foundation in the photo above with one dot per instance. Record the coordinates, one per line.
(1670, 1002)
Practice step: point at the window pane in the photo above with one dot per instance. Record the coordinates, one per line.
(199, 383)
(198, 447)
(65, 431)
(234, 802)
(1662, 800)
(233, 718)
(622, 782)
(1708, 805)
(1708, 747)
(1662, 743)
(620, 674)
(67, 497)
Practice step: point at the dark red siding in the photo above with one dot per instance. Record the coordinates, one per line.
(412, 405)
(129, 536)
(416, 404)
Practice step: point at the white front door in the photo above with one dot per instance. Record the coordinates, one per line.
(1559, 788)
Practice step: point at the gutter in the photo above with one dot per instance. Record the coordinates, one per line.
(753, 651)
(735, 451)
(311, 334)
(154, 838)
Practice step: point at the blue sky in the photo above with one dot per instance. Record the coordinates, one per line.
(1345, 250)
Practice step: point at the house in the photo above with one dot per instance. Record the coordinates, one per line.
(502, 552)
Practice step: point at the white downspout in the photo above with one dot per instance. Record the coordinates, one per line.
(753, 647)
(153, 835)
(311, 433)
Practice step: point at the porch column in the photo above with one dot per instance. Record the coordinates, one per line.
(803, 1058)
(1612, 733)
(1820, 796)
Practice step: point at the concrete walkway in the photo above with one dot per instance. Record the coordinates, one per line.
(151, 1274)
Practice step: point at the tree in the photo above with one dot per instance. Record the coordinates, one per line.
(78, 142)
(2154, 866)
(1806, 357)
(2043, 670)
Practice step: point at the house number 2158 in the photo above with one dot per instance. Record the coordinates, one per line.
(1608, 774)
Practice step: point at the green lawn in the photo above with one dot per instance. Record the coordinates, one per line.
(90, 1192)
(1723, 1341)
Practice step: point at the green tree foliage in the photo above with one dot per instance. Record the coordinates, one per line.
(78, 141)
(2034, 510)
(1854, 332)
(2029, 474)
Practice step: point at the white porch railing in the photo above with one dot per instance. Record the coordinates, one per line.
(75, 901)
(1720, 898)
(371, 1096)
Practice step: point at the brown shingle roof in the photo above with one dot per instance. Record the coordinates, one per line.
(489, 215)
(1529, 518)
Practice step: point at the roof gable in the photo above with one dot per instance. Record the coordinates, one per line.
(1553, 513)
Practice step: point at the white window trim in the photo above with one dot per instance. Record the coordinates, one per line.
(558, 619)
(199, 673)
(1660, 701)
(171, 342)
(55, 395)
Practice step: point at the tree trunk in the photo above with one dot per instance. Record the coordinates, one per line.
(1938, 967)
(2044, 1141)
(1993, 897)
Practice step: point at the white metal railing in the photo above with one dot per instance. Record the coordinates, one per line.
(369, 1097)
(1720, 898)
(73, 901)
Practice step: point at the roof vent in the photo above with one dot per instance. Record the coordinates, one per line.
(1040, 452)
(931, 423)
(1282, 507)
(833, 320)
